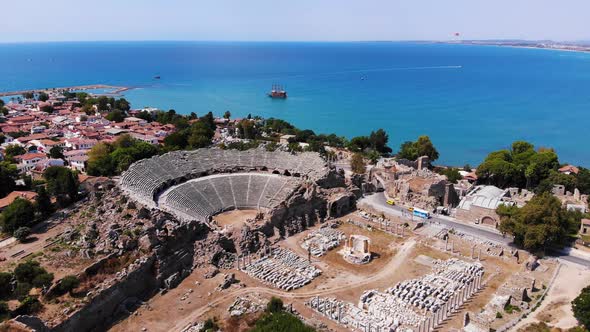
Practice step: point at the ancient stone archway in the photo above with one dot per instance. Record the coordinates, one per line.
(487, 220)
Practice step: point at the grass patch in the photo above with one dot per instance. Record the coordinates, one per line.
(509, 309)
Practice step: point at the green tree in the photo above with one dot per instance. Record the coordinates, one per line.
(100, 161)
(18, 214)
(452, 174)
(62, 183)
(379, 140)
(359, 144)
(46, 108)
(581, 307)
(29, 95)
(43, 203)
(246, 129)
(28, 306)
(227, 115)
(210, 325)
(200, 135)
(274, 305)
(22, 234)
(122, 104)
(373, 157)
(422, 147)
(542, 223)
(278, 126)
(103, 104)
(177, 140)
(13, 150)
(521, 166)
(209, 120)
(56, 152)
(145, 116)
(583, 180)
(4, 311)
(5, 286)
(280, 321)
(116, 116)
(33, 273)
(43, 97)
(68, 284)
(8, 175)
(357, 164)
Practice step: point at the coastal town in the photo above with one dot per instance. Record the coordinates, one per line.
(123, 219)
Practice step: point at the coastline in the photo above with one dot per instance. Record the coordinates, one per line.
(585, 49)
(116, 89)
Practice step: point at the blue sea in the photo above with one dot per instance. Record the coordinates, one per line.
(469, 99)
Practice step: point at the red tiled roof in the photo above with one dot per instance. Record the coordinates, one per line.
(28, 195)
(31, 156)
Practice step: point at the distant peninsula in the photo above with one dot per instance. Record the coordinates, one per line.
(578, 46)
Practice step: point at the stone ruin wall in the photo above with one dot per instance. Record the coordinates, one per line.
(171, 249)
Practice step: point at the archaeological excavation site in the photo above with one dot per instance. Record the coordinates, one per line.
(212, 235)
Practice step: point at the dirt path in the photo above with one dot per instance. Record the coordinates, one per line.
(556, 309)
(386, 272)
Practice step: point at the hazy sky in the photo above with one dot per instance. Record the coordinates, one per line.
(307, 20)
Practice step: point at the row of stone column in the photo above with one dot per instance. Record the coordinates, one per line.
(387, 227)
(472, 249)
(328, 308)
(243, 261)
(452, 305)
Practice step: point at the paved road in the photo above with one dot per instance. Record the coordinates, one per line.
(379, 202)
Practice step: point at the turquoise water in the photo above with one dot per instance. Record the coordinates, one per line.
(468, 99)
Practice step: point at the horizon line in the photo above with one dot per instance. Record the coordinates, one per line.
(291, 41)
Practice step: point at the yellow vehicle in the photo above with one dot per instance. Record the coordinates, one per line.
(390, 202)
(411, 209)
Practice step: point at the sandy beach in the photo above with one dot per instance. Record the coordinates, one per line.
(116, 89)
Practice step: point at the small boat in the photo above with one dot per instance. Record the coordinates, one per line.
(277, 92)
(157, 77)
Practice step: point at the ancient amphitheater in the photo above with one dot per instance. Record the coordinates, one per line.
(196, 185)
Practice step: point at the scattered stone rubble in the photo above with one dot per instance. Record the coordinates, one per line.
(228, 280)
(322, 240)
(417, 304)
(246, 305)
(282, 269)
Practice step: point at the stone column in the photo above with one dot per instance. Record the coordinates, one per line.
(479, 254)
(447, 243)
(339, 313)
(453, 246)
(238, 262)
(472, 252)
